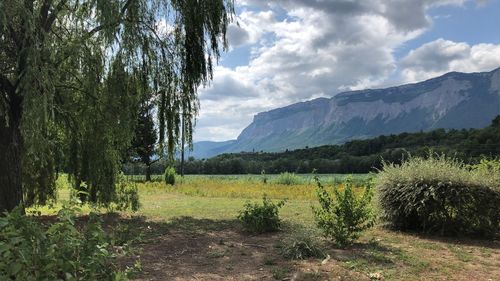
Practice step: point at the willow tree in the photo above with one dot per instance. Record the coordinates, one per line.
(71, 72)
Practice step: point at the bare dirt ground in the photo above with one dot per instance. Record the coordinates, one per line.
(194, 249)
(228, 254)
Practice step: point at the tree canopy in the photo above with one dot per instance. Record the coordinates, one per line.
(72, 72)
(144, 143)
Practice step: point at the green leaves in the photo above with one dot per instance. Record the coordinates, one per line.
(29, 251)
(169, 176)
(258, 218)
(441, 195)
(79, 68)
(345, 216)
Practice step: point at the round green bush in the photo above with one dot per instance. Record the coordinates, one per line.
(170, 176)
(440, 195)
(257, 218)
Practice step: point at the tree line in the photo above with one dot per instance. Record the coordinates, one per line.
(357, 156)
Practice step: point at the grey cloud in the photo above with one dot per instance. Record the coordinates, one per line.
(237, 35)
(227, 86)
(405, 15)
(336, 6)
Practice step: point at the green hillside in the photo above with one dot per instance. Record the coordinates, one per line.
(358, 156)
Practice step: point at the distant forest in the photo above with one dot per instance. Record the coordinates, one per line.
(358, 156)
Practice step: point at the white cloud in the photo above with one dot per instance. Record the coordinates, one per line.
(249, 27)
(302, 49)
(441, 56)
(229, 84)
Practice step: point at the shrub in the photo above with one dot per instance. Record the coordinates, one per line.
(170, 176)
(29, 251)
(345, 216)
(127, 195)
(258, 218)
(440, 194)
(287, 178)
(301, 245)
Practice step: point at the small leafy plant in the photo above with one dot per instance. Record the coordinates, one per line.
(258, 218)
(344, 216)
(170, 176)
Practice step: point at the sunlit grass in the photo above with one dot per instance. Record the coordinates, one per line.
(271, 178)
(248, 186)
(219, 198)
(213, 197)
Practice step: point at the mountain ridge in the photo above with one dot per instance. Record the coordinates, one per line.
(454, 100)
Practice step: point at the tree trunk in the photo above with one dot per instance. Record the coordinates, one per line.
(148, 172)
(11, 194)
(182, 145)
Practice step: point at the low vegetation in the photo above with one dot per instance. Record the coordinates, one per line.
(207, 212)
(301, 244)
(127, 195)
(169, 176)
(287, 178)
(258, 218)
(345, 216)
(61, 251)
(441, 195)
(244, 186)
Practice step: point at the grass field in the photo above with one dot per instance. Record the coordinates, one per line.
(271, 178)
(190, 232)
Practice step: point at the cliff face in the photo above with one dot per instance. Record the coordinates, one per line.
(454, 100)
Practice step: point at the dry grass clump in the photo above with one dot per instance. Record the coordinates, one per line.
(301, 244)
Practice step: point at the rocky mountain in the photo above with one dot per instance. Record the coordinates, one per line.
(454, 100)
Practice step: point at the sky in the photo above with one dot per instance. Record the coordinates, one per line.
(286, 51)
